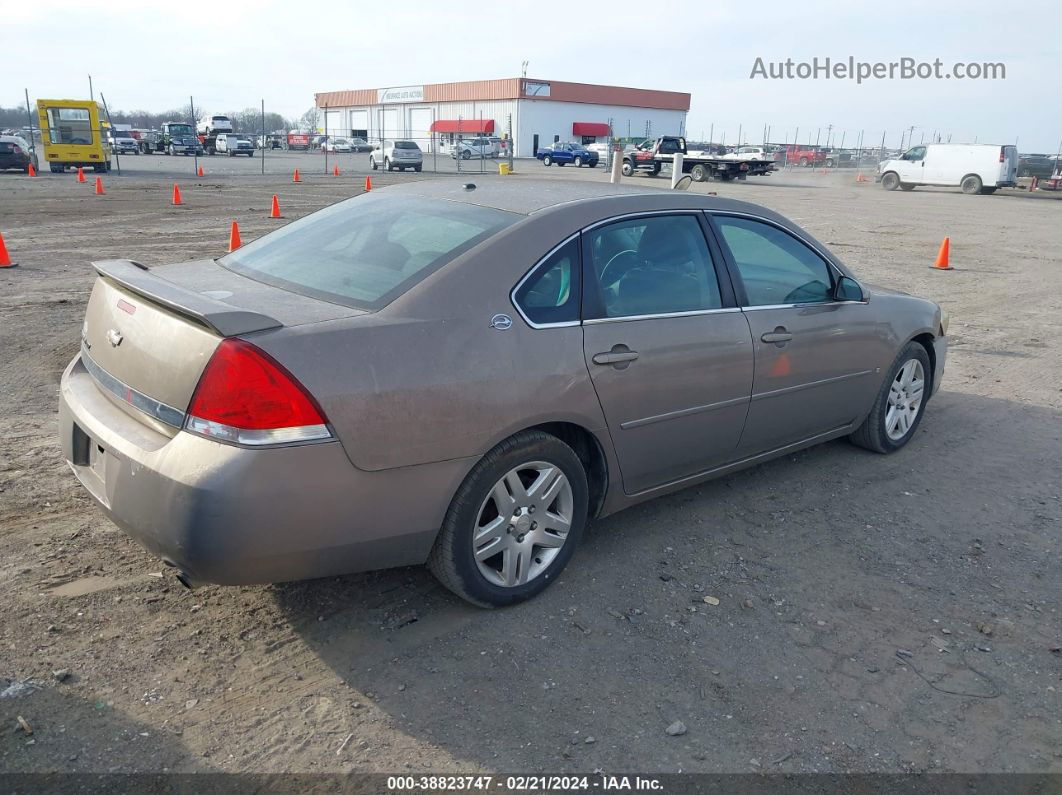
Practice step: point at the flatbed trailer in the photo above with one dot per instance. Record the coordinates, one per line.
(700, 166)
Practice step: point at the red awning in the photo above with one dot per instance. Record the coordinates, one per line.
(589, 128)
(482, 126)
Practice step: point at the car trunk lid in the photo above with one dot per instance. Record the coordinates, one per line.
(149, 333)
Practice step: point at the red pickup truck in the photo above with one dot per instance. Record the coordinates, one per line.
(797, 155)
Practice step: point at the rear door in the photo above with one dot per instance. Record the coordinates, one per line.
(1008, 164)
(812, 353)
(669, 353)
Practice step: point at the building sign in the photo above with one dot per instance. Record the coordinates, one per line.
(385, 96)
(533, 89)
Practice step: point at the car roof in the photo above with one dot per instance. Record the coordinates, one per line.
(531, 196)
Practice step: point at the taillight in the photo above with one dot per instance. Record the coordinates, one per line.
(1001, 158)
(246, 397)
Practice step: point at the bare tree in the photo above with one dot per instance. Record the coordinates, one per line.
(310, 119)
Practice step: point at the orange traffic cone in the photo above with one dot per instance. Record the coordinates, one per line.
(31, 171)
(5, 258)
(80, 174)
(275, 211)
(99, 186)
(176, 195)
(234, 237)
(199, 173)
(942, 256)
(295, 177)
(368, 184)
(335, 171)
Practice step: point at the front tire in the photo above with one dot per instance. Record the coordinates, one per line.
(372, 164)
(547, 161)
(514, 522)
(890, 181)
(627, 169)
(578, 162)
(900, 403)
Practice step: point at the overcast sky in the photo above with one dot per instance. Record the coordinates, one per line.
(153, 55)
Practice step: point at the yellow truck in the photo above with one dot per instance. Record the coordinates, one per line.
(74, 134)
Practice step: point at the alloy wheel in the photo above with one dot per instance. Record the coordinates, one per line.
(905, 399)
(523, 523)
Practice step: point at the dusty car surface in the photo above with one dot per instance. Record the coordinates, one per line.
(460, 376)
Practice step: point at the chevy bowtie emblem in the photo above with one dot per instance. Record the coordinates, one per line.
(114, 336)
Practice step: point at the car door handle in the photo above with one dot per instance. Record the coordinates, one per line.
(615, 357)
(779, 335)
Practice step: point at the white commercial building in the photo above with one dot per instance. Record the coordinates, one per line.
(535, 113)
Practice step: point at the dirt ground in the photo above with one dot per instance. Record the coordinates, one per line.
(875, 613)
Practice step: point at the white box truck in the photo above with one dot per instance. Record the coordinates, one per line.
(975, 168)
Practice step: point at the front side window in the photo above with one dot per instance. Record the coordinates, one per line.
(366, 251)
(648, 266)
(774, 266)
(916, 154)
(551, 293)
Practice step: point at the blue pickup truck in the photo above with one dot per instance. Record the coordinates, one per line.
(564, 153)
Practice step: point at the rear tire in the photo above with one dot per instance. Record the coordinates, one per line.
(474, 507)
(890, 181)
(906, 186)
(578, 162)
(987, 191)
(873, 434)
(699, 173)
(971, 184)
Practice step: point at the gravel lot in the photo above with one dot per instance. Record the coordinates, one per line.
(875, 613)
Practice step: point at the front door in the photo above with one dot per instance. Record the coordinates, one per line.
(913, 167)
(813, 371)
(669, 353)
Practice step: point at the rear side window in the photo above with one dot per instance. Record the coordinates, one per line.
(366, 251)
(551, 293)
(774, 266)
(406, 145)
(650, 266)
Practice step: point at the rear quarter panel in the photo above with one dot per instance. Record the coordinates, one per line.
(428, 379)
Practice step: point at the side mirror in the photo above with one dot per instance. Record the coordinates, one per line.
(848, 289)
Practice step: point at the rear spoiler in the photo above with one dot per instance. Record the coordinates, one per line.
(225, 319)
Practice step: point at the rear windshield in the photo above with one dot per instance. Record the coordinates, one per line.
(366, 251)
(405, 145)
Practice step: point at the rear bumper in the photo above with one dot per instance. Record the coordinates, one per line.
(235, 516)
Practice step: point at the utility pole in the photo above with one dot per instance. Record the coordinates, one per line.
(829, 129)
(92, 96)
(33, 136)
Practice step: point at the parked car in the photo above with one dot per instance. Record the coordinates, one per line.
(464, 377)
(566, 152)
(1040, 166)
(233, 144)
(836, 158)
(804, 156)
(749, 153)
(468, 148)
(123, 143)
(601, 149)
(338, 145)
(975, 168)
(360, 145)
(215, 125)
(16, 153)
(396, 155)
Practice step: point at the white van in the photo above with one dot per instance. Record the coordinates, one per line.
(976, 168)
